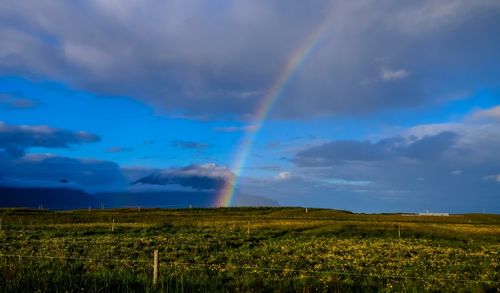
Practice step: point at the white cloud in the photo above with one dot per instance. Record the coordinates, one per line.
(247, 128)
(494, 177)
(283, 176)
(209, 169)
(456, 172)
(491, 113)
(393, 74)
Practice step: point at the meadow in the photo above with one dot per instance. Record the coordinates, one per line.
(246, 250)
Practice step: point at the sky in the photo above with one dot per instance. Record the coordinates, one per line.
(369, 106)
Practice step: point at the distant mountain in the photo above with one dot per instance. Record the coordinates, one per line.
(254, 201)
(181, 199)
(62, 198)
(157, 199)
(51, 198)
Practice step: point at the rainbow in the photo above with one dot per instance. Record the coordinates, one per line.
(296, 59)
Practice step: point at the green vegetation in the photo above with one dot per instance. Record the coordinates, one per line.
(247, 249)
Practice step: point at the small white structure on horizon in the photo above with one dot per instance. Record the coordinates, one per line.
(434, 214)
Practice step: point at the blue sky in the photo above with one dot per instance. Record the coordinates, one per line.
(398, 112)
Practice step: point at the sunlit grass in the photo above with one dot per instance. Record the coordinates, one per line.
(247, 250)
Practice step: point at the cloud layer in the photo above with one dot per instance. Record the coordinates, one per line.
(17, 168)
(438, 166)
(207, 59)
(15, 139)
(196, 177)
(20, 169)
(429, 147)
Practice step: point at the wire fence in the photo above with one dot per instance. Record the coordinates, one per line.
(230, 266)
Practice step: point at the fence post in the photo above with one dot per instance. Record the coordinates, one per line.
(399, 231)
(62, 252)
(155, 267)
(113, 226)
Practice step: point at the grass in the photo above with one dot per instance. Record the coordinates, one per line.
(247, 250)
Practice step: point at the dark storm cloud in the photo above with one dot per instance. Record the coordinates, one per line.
(193, 145)
(430, 147)
(197, 177)
(20, 169)
(209, 58)
(452, 167)
(15, 139)
(425, 148)
(49, 170)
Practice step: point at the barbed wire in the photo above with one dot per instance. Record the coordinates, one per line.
(74, 258)
(255, 268)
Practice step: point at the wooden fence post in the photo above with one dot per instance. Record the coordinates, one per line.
(62, 252)
(113, 226)
(155, 267)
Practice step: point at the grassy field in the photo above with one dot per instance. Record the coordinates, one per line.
(247, 249)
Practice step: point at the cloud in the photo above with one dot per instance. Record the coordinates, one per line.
(197, 177)
(118, 149)
(246, 128)
(20, 169)
(428, 147)
(15, 139)
(283, 176)
(411, 169)
(495, 177)
(204, 59)
(390, 75)
(431, 147)
(492, 113)
(51, 170)
(190, 145)
(17, 102)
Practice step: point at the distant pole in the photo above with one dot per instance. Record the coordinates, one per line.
(399, 231)
(113, 226)
(155, 267)
(89, 208)
(307, 210)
